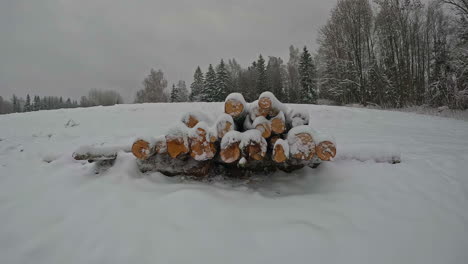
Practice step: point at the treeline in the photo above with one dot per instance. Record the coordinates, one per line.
(95, 97)
(388, 53)
(294, 82)
(395, 53)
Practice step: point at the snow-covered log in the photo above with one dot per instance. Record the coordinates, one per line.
(177, 141)
(263, 125)
(143, 148)
(235, 105)
(301, 143)
(202, 142)
(191, 119)
(96, 153)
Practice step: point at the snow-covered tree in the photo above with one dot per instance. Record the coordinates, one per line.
(210, 91)
(197, 85)
(275, 76)
(261, 75)
(222, 82)
(183, 91)
(27, 104)
(174, 94)
(308, 91)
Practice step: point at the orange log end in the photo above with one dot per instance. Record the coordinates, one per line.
(307, 149)
(233, 107)
(231, 154)
(326, 150)
(141, 149)
(176, 146)
(278, 154)
(264, 103)
(277, 125)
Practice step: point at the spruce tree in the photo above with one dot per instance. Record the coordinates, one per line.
(197, 85)
(308, 91)
(27, 104)
(261, 75)
(174, 94)
(182, 92)
(37, 103)
(222, 82)
(210, 92)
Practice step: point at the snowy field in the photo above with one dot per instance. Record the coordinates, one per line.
(353, 210)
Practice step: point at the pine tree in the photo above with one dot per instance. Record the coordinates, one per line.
(182, 92)
(37, 103)
(197, 86)
(15, 102)
(261, 75)
(222, 82)
(174, 94)
(210, 92)
(27, 105)
(308, 91)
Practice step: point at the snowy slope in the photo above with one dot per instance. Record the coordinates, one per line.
(347, 211)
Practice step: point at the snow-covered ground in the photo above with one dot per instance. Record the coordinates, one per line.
(353, 210)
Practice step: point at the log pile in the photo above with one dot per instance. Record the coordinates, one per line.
(262, 136)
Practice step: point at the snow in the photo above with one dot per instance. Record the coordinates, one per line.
(260, 120)
(296, 145)
(230, 138)
(236, 97)
(253, 136)
(284, 144)
(200, 116)
(351, 210)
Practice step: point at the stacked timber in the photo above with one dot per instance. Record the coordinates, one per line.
(262, 136)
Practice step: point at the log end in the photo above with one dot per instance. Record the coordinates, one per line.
(278, 126)
(304, 148)
(231, 154)
(176, 146)
(141, 149)
(265, 103)
(326, 150)
(233, 108)
(279, 155)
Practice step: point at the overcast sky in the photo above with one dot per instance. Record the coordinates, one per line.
(66, 47)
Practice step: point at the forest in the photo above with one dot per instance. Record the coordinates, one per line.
(384, 53)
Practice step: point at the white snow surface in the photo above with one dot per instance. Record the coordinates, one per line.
(346, 211)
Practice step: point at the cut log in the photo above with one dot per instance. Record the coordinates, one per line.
(278, 124)
(280, 151)
(97, 153)
(201, 145)
(191, 119)
(255, 111)
(230, 151)
(298, 118)
(144, 148)
(263, 125)
(173, 167)
(269, 103)
(326, 150)
(301, 143)
(141, 149)
(224, 124)
(253, 145)
(235, 105)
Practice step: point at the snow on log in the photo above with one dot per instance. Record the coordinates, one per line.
(202, 142)
(255, 111)
(298, 118)
(253, 145)
(235, 105)
(230, 150)
(224, 124)
(268, 102)
(263, 125)
(98, 153)
(301, 143)
(177, 141)
(280, 151)
(325, 146)
(144, 148)
(191, 119)
(278, 123)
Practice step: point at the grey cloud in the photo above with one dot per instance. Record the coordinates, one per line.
(66, 47)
